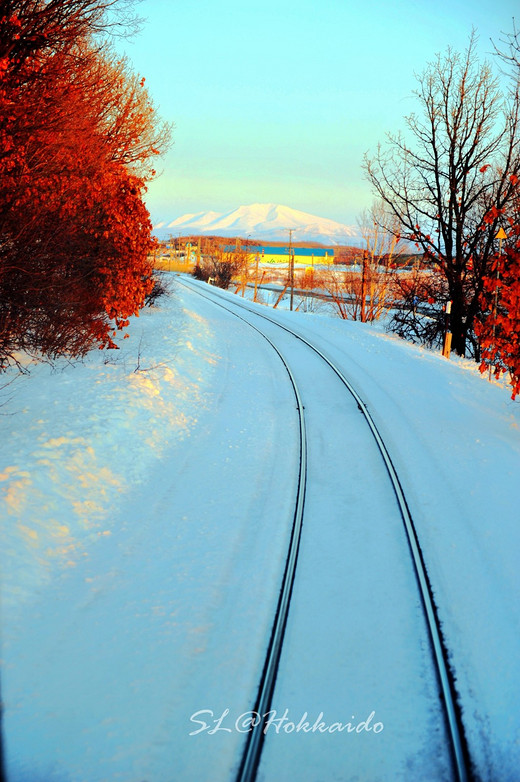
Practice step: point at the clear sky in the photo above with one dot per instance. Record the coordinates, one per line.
(277, 101)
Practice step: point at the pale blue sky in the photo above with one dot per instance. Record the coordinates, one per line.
(277, 101)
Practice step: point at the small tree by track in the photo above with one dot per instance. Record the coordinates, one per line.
(220, 264)
(418, 312)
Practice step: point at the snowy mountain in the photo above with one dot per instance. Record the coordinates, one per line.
(267, 222)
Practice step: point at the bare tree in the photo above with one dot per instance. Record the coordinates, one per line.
(384, 248)
(366, 291)
(344, 289)
(452, 177)
(219, 263)
(509, 50)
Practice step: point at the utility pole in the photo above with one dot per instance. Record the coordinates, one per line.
(291, 267)
(245, 267)
(363, 285)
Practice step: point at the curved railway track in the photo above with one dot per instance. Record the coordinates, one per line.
(448, 697)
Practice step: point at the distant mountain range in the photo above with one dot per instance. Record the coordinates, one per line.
(264, 222)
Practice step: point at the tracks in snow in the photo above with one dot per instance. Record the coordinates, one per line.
(255, 738)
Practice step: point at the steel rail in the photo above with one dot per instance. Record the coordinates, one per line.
(458, 745)
(255, 738)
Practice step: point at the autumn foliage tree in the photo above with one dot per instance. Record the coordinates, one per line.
(499, 327)
(499, 323)
(78, 135)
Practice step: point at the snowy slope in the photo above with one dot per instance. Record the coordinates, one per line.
(144, 513)
(267, 222)
(129, 515)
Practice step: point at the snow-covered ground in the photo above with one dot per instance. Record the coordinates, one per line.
(145, 508)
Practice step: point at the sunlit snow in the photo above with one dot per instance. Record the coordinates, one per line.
(146, 499)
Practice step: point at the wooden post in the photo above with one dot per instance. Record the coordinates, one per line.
(280, 297)
(446, 346)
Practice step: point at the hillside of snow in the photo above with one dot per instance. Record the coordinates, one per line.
(266, 222)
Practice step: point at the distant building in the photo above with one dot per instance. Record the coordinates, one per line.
(280, 254)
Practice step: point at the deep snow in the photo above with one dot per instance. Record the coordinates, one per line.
(145, 513)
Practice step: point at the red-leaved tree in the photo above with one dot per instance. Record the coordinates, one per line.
(78, 135)
(499, 325)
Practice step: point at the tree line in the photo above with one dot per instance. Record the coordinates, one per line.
(78, 138)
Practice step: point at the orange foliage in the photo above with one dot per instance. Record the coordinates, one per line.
(77, 137)
(499, 329)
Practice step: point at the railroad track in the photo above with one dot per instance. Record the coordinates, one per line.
(448, 697)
